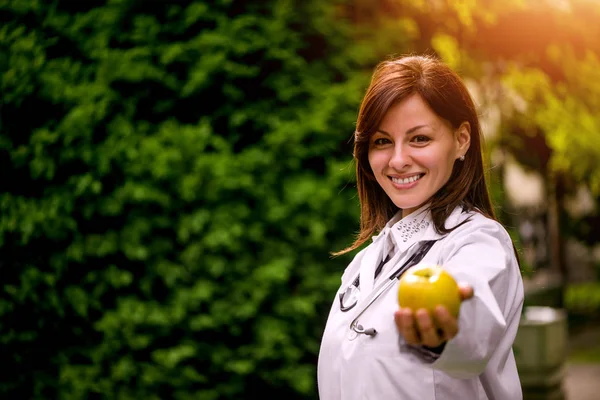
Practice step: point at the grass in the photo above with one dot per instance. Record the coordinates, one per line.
(585, 345)
(588, 355)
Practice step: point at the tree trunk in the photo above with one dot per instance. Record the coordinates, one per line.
(556, 189)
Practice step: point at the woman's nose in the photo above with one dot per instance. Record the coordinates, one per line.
(400, 158)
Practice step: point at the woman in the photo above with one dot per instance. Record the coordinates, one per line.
(422, 190)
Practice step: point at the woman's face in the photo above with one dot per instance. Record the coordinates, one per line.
(413, 152)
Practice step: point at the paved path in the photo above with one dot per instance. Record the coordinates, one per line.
(582, 382)
(582, 379)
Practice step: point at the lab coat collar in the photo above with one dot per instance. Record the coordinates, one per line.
(417, 226)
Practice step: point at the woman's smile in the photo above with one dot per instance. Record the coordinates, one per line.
(404, 183)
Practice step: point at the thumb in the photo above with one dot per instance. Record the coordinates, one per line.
(466, 291)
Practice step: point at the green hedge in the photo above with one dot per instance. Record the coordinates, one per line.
(174, 176)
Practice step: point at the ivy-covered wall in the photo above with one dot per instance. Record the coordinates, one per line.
(174, 176)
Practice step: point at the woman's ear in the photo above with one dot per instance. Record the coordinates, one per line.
(463, 138)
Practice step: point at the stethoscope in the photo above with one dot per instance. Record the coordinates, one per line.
(349, 298)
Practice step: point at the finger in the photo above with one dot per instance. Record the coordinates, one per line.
(406, 325)
(427, 329)
(466, 291)
(446, 322)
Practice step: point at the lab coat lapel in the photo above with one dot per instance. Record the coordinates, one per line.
(369, 262)
(374, 255)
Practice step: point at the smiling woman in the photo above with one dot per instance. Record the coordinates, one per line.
(412, 153)
(423, 195)
(404, 88)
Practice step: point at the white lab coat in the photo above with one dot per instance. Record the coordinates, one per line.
(477, 364)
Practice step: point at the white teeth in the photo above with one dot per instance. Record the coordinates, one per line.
(406, 180)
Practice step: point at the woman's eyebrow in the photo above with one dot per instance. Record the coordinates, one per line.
(416, 128)
(411, 130)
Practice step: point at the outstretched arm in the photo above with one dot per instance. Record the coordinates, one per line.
(481, 256)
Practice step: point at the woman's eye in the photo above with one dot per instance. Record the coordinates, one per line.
(381, 141)
(420, 139)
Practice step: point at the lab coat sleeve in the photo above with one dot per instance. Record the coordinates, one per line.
(481, 254)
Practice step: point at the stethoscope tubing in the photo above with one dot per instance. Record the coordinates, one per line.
(414, 259)
(384, 287)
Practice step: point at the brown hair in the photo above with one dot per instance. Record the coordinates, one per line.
(444, 91)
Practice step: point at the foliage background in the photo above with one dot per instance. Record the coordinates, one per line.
(175, 175)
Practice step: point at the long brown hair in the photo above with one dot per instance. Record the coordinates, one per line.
(444, 91)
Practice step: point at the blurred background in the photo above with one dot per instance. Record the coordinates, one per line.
(174, 176)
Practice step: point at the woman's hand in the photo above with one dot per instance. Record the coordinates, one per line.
(418, 328)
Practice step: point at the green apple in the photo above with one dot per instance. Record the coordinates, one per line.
(426, 286)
